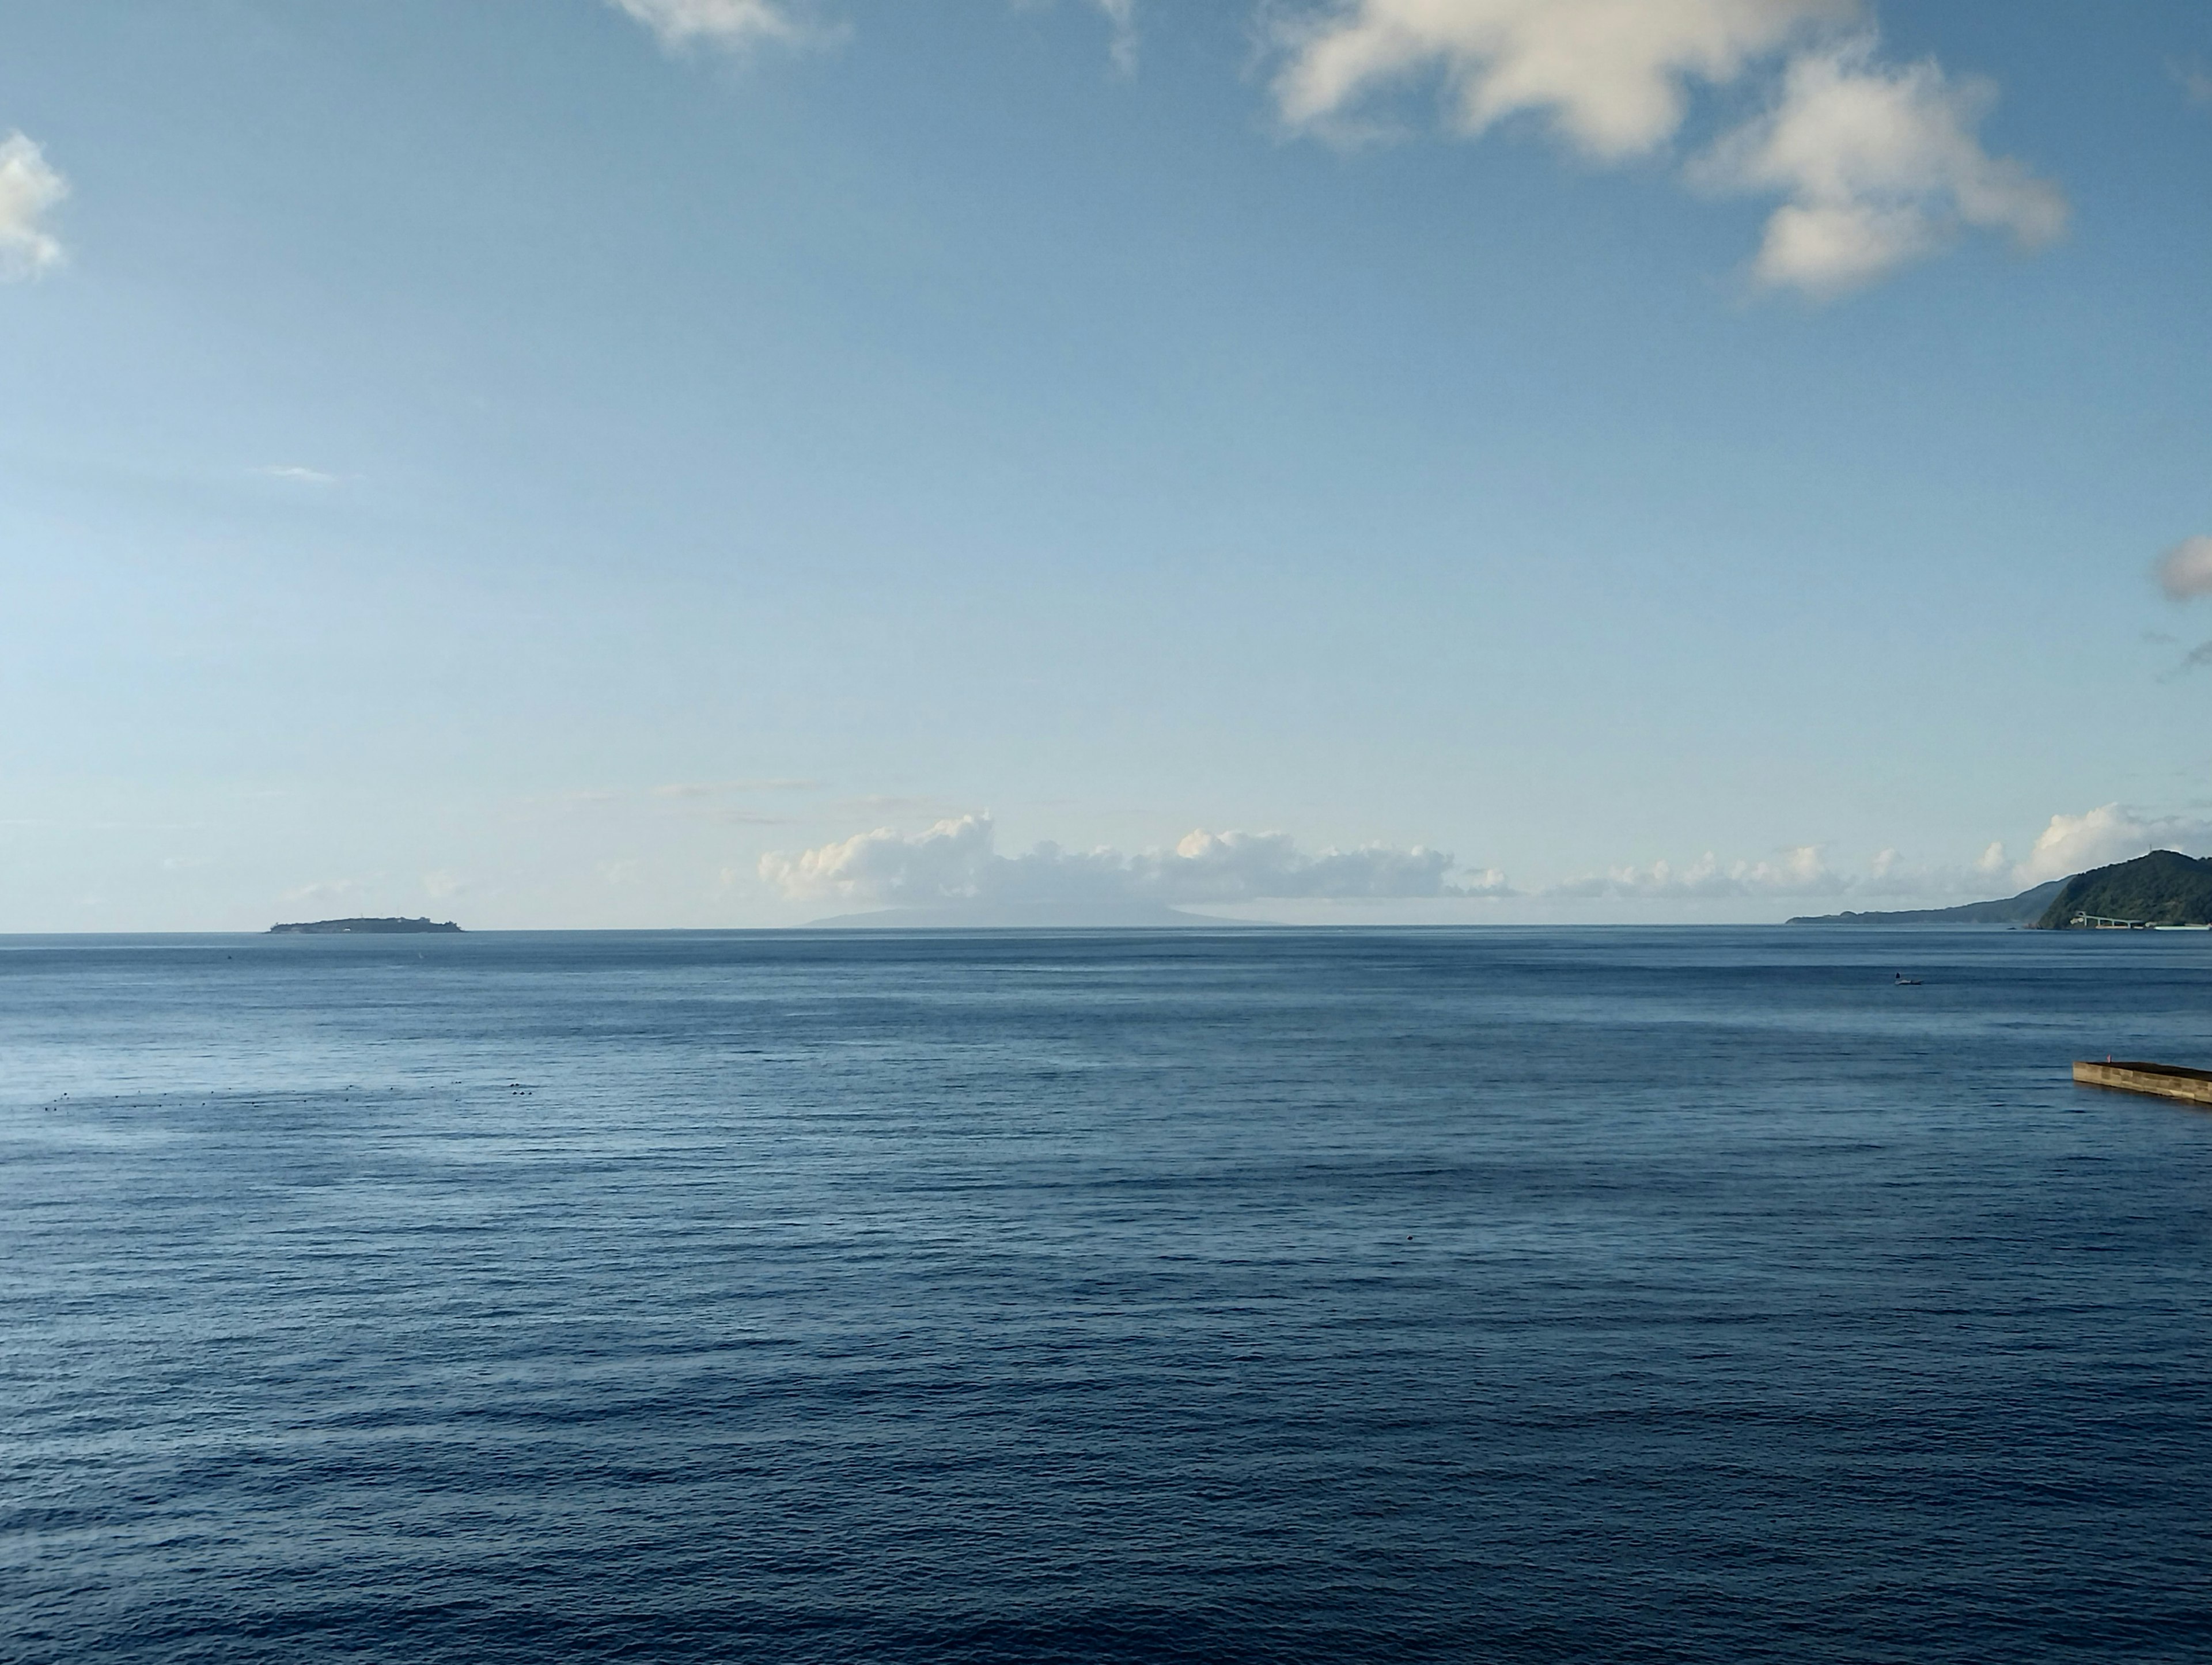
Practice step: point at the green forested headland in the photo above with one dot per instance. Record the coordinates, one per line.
(2162, 888)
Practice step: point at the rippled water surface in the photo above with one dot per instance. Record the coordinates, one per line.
(1489, 1296)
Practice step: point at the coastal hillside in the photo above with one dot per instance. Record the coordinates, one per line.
(2025, 909)
(2162, 888)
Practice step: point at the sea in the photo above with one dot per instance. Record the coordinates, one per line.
(1486, 1294)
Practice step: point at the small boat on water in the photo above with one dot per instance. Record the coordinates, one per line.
(1904, 982)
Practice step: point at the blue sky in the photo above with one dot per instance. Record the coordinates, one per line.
(710, 462)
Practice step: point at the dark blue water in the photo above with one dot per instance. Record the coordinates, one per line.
(1692, 1295)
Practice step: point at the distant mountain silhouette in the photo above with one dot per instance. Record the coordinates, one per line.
(2025, 909)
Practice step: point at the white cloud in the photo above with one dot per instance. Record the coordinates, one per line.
(949, 860)
(2185, 570)
(1879, 164)
(956, 860)
(2100, 836)
(2196, 80)
(735, 23)
(297, 474)
(1882, 166)
(28, 187)
(1609, 74)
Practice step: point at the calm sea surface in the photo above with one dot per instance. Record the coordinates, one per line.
(1494, 1295)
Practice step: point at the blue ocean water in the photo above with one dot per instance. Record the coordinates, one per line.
(1683, 1295)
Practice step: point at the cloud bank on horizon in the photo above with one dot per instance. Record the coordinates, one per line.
(1801, 873)
(2069, 844)
(1876, 165)
(957, 861)
(29, 187)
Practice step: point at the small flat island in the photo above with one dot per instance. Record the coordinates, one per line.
(340, 927)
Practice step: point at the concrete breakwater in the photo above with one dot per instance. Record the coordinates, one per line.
(2160, 1080)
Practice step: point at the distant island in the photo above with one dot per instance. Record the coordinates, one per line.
(339, 928)
(2162, 888)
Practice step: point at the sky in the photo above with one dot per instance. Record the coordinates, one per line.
(722, 463)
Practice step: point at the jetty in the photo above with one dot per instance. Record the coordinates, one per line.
(2160, 1081)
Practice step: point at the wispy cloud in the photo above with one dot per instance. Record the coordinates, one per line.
(1878, 164)
(708, 800)
(717, 789)
(887, 804)
(699, 799)
(296, 475)
(731, 816)
(2196, 80)
(727, 23)
(29, 187)
(327, 890)
(2185, 570)
(739, 24)
(957, 861)
(1122, 16)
